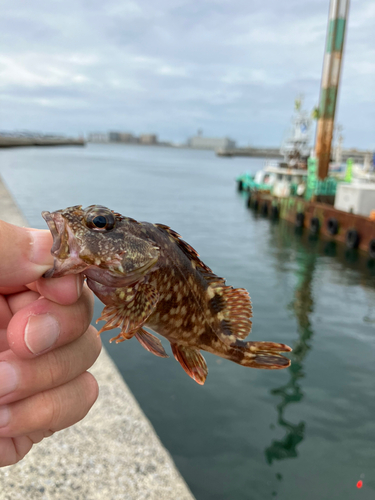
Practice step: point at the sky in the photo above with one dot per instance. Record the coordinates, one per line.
(229, 67)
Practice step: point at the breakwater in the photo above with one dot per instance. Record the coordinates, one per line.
(274, 153)
(252, 152)
(14, 142)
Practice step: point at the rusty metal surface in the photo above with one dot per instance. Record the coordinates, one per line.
(323, 146)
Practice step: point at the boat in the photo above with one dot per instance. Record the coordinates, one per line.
(341, 207)
(287, 177)
(336, 203)
(290, 176)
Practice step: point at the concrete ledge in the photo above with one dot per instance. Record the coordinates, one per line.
(113, 453)
(13, 142)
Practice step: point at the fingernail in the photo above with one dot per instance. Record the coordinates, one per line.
(4, 416)
(8, 378)
(40, 247)
(41, 332)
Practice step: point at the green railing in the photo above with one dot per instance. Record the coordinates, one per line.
(315, 186)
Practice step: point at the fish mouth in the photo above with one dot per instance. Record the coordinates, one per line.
(56, 225)
(64, 261)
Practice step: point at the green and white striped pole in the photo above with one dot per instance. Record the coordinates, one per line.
(338, 14)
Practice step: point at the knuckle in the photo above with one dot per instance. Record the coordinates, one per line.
(53, 407)
(66, 363)
(59, 367)
(81, 393)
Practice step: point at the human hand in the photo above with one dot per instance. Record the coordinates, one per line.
(46, 344)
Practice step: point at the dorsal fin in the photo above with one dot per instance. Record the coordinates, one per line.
(231, 305)
(193, 256)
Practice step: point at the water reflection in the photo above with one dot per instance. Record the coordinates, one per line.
(298, 246)
(302, 306)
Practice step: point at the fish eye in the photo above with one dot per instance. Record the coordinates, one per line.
(100, 222)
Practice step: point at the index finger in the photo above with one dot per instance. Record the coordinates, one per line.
(24, 254)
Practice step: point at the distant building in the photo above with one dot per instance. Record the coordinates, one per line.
(124, 137)
(114, 136)
(128, 138)
(215, 143)
(148, 139)
(98, 137)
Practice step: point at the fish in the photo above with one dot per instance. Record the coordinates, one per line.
(147, 276)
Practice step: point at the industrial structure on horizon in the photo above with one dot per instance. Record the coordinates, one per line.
(195, 142)
(124, 137)
(214, 143)
(223, 146)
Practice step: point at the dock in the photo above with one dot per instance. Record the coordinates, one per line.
(113, 452)
(319, 218)
(357, 155)
(252, 152)
(15, 142)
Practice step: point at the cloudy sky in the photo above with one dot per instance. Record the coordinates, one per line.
(229, 67)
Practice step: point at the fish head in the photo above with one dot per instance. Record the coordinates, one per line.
(100, 243)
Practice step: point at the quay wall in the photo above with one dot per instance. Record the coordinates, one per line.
(15, 142)
(274, 153)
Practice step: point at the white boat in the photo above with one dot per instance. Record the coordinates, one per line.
(289, 176)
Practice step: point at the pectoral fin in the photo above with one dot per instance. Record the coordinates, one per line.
(151, 343)
(192, 362)
(129, 315)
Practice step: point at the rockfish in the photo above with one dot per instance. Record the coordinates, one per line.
(147, 276)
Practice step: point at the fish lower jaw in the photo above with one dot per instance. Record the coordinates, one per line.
(67, 266)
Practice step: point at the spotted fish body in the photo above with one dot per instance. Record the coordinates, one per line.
(147, 276)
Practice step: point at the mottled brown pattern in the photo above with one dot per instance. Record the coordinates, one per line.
(146, 275)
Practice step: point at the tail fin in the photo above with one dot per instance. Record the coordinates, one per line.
(259, 354)
(232, 308)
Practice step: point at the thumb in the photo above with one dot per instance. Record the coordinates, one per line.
(25, 254)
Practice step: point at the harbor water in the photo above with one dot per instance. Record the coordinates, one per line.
(304, 432)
